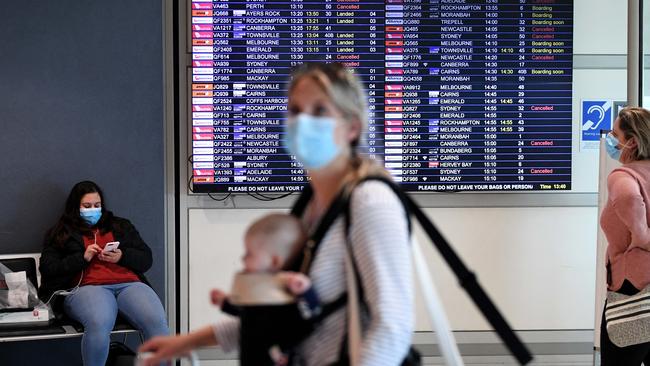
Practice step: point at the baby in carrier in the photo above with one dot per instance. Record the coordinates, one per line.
(276, 308)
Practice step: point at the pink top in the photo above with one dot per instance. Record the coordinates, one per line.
(626, 223)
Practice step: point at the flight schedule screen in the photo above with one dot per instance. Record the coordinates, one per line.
(463, 95)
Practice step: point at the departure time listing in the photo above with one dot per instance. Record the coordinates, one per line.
(464, 95)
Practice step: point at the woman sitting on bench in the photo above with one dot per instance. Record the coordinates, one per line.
(99, 279)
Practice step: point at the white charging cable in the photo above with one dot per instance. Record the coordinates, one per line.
(66, 292)
(71, 291)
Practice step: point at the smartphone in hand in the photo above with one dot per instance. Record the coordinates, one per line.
(111, 246)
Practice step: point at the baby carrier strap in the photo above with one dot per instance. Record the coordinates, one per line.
(303, 260)
(329, 308)
(301, 203)
(339, 206)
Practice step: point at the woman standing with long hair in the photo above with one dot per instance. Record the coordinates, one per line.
(327, 117)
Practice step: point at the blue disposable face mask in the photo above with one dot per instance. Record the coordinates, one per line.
(311, 140)
(611, 144)
(91, 215)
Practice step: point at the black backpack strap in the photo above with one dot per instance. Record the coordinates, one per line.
(466, 278)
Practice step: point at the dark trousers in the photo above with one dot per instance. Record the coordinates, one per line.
(611, 354)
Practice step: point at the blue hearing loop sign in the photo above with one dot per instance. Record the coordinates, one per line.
(596, 116)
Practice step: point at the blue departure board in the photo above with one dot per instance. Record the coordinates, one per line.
(463, 95)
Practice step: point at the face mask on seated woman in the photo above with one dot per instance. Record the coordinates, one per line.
(91, 215)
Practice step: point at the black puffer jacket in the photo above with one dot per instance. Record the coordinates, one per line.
(60, 264)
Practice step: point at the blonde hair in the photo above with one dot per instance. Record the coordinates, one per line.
(635, 123)
(346, 91)
(283, 235)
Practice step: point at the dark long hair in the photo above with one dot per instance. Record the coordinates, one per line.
(71, 222)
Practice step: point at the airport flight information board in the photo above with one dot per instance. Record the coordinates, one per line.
(464, 95)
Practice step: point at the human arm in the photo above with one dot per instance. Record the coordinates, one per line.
(627, 201)
(230, 309)
(217, 297)
(300, 286)
(225, 333)
(380, 245)
(296, 282)
(64, 261)
(166, 348)
(220, 299)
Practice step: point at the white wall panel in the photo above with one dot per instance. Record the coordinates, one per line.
(536, 263)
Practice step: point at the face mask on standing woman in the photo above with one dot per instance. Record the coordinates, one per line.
(311, 140)
(611, 144)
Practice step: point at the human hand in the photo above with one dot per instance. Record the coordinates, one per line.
(279, 358)
(91, 251)
(160, 349)
(217, 297)
(296, 282)
(111, 257)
